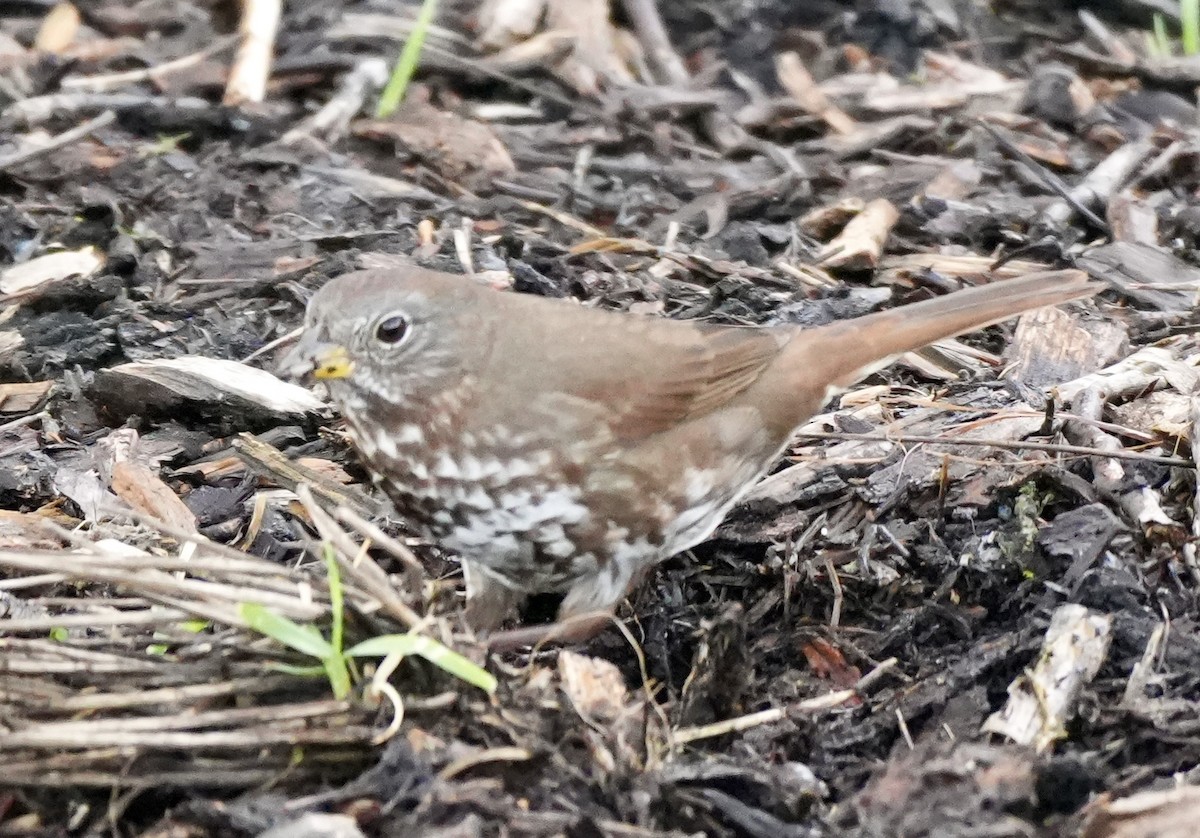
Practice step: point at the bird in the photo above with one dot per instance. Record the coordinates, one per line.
(558, 448)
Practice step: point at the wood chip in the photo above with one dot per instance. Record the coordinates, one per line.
(144, 490)
(24, 531)
(1042, 700)
(460, 149)
(1168, 362)
(824, 221)
(209, 385)
(967, 266)
(1147, 273)
(505, 22)
(1161, 413)
(1132, 219)
(1172, 813)
(1050, 346)
(50, 267)
(594, 686)
(23, 396)
(860, 244)
(59, 28)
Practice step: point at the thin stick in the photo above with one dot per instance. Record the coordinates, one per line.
(111, 81)
(366, 572)
(23, 421)
(252, 65)
(331, 120)
(290, 337)
(66, 138)
(1055, 448)
(835, 617)
(381, 539)
(763, 717)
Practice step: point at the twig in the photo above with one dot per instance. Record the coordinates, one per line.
(1049, 180)
(654, 40)
(252, 65)
(66, 138)
(146, 617)
(274, 344)
(381, 539)
(1055, 448)
(355, 564)
(267, 460)
(835, 617)
(167, 696)
(39, 109)
(763, 717)
(903, 725)
(23, 421)
(111, 81)
(490, 755)
(1140, 502)
(1189, 550)
(1101, 182)
(331, 120)
(799, 83)
(867, 682)
(652, 35)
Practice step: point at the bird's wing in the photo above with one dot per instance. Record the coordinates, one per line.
(702, 373)
(637, 375)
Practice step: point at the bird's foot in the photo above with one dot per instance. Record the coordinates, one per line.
(568, 631)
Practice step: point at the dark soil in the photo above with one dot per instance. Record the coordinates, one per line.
(215, 232)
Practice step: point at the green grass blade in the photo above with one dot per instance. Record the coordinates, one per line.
(406, 64)
(339, 675)
(337, 604)
(439, 655)
(292, 669)
(1189, 24)
(384, 645)
(1159, 43)
(305, 639)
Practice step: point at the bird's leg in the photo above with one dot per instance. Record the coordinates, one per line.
(489, 601)
(586, 610)
(565, 631)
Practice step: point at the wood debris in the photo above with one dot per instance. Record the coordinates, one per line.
(1042, 701)
(180, 177)
(860, 244)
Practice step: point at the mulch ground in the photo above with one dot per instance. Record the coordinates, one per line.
(965, 604)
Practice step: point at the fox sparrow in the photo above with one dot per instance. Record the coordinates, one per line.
(557, 448)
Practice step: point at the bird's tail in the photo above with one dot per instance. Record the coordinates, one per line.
(841, 353)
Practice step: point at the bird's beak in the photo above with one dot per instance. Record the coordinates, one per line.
(319, 359)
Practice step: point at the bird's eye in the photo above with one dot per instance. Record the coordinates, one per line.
(392, 329)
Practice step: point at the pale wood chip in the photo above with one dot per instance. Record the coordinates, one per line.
(23, 396)
(1043, 699)
(860, 245)
(144, 490)
(1171, 813)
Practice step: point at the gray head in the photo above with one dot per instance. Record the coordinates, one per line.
(396, 334)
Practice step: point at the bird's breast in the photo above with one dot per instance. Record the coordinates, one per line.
(490, 495)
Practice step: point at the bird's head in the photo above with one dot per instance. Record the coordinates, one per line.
(397, 336)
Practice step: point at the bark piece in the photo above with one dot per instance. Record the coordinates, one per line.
(144, 490)
(1042, 700)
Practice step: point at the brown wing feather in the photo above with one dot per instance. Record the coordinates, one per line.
(687, 371)
(641, 375)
